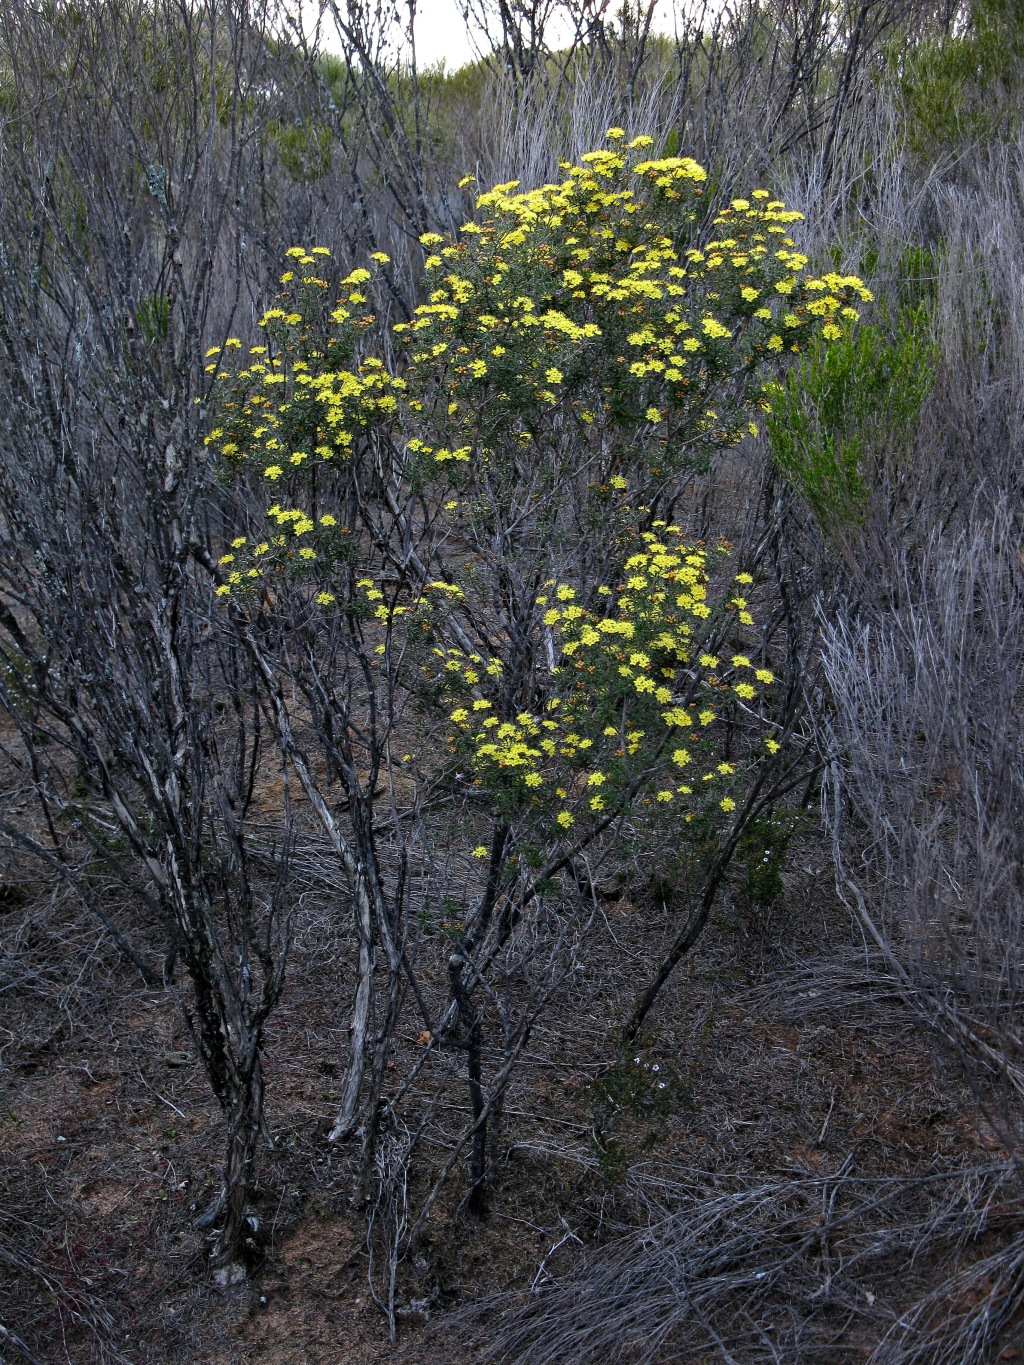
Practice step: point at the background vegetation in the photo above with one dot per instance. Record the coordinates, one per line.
(332, 1027)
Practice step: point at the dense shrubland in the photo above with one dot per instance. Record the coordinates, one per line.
(622, 476)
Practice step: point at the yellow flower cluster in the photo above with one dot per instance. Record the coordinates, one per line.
(296, 543)
(288, 412)
(634, 690)
(585, 307)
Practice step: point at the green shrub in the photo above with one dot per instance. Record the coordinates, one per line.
(761, 857)
(847, 415)
(304, 150)
(637, 1096)
(966, 87)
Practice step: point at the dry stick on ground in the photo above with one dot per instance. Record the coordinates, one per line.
(716, 1264)
(60, 866)
(76, 1305)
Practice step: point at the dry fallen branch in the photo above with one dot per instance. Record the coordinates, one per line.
(777, 1270)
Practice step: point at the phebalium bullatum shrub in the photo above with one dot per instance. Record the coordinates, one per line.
(491, 500)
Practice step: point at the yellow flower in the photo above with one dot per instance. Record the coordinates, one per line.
(480, 851)
(565, 819)
(677, 716)
(727, 803)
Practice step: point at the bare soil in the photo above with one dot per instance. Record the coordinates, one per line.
(776, 1050)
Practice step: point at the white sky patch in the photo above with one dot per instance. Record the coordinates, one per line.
(443, 34)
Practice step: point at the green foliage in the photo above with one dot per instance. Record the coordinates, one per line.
(303, 149)
(918, 277)
(967, 87)
(638, 1094)
(153, 316)
(761, 857)
(847, 415)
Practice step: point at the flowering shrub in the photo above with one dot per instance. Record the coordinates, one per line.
(581, 317)
(584, 346)
(628, 702)
(629, 692)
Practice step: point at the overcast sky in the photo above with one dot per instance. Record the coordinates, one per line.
(442, 35)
